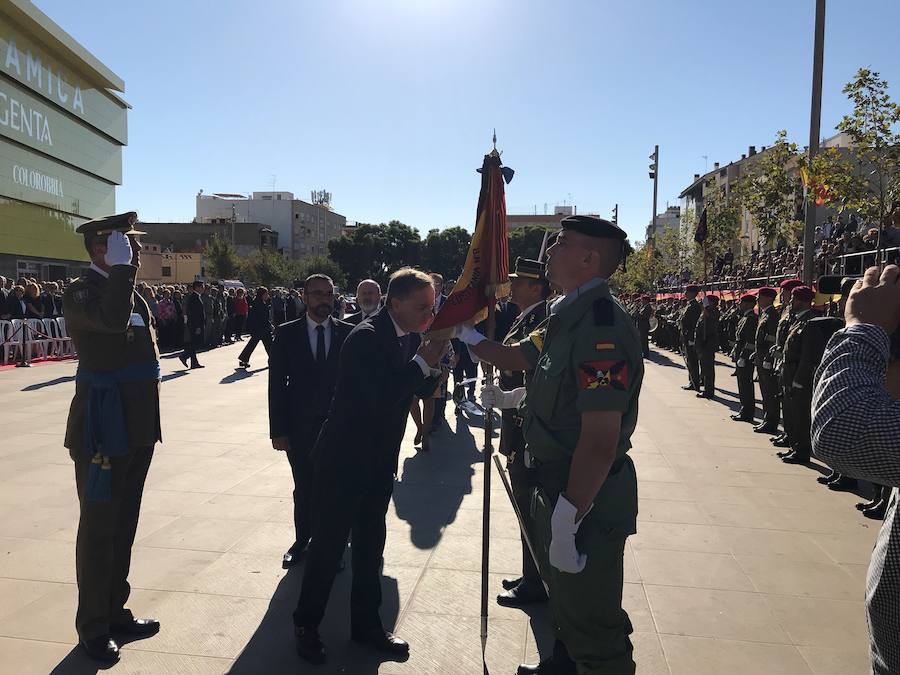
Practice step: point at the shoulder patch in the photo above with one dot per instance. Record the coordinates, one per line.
(604, 375)
(537, 338)
(603, 312)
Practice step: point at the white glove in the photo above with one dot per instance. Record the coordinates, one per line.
(467, 335)
(767, 365)
(564, 555)
(796, 385)
(118, 249)
(741, 363)
(493, 396)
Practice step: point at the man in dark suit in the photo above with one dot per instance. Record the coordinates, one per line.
(196, 321)
(303, 366)
(259, 325)
(356, 459)
(4, 314)
(368, 297)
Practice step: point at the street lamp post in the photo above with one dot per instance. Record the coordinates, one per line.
(654, 174)
(815, 119)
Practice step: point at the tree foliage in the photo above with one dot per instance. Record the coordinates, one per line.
(444, 251)
(322, 265)
(525, 242)
(221, 260)
(767, 191)
(867, 178)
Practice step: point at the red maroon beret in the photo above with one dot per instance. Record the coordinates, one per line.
(767, 291)
(803, 294)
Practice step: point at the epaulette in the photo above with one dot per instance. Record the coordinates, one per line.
(603, 312)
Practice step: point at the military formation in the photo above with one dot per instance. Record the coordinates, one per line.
(775, 337)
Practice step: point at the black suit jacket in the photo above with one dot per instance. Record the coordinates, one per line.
(375, 386)
(356, 319)
(196, 313)
(299, 389)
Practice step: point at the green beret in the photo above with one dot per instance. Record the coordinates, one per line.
(529, 269)
(594, 226)
(122, 222)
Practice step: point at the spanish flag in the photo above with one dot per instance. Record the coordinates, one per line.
(485, 276)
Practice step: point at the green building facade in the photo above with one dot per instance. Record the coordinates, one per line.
(62, 129)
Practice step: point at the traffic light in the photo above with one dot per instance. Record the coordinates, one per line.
(615, 214)
(653, 166)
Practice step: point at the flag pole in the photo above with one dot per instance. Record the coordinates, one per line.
(488, 453)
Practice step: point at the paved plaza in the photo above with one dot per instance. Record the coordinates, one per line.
(741, 565)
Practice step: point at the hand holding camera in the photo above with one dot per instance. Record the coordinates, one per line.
(875, 299)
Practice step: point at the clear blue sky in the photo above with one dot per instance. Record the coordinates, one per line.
(389, 104)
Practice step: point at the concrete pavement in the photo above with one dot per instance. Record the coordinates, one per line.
(742, 564)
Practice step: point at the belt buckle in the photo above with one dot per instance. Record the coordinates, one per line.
(518, 421)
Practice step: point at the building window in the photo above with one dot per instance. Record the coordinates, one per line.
(167, 271)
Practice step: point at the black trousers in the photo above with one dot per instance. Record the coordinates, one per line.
(195, 342)
(645, 342)
(768, 388)
(238, 325)
(693, 365)
(522, 485)
(707, 361)
(105, 536)
(746, 392)
(302, 470)
(798, 404)
(345, 504)
(465, 369)
(265, 338)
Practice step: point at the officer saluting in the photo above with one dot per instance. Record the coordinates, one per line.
(112, 428)
(530, 290)
(580, 410)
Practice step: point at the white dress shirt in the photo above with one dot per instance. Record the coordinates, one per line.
(314, 336)
(427, 370)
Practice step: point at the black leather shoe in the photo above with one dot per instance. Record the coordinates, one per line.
(547, 667)
(183, 359)
(795, 458)
(741, 418)
(102, 648)
(309, 645)
(784, 453)
(293, 556)
(877, 511)
(865, 506)
(781, 442)
(197, 365)
(509, 584)
(689, 387)
(382, 641)
(825, 480)
(703, 394)
(526, 593)
(763, 429)
(842, 483)
(136, 628)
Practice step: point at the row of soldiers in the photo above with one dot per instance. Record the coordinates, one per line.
(778, 346)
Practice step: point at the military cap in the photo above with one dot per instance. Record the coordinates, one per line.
(767, 291)
(529, 269)
(122, 222)
(803, 294)
(594, 226)
(748, 297)
(692, 288)
(788, 284)
(712, 299)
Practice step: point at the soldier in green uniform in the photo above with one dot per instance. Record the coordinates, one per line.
(797, 376)
(744, 344)
(785, 322)
(530, 291)
(643, 313)
(762, 359)
(112, 427)
(580, 410)
(706, 342)
(687, 323)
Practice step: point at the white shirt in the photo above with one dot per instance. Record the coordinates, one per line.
(311, 326)
(427, 370)
(102, 273)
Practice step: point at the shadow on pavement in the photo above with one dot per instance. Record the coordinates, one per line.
(241, 374)
(76, 662)
(661, 359)
(271, 648)
(432, 485)
(49, 383)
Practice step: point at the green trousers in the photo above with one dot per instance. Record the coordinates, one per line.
(587, 607)
(103, 548)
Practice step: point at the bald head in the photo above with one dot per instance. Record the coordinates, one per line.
(368, 295)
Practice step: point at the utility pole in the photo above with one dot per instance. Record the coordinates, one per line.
(616, 214)
(654, 174)
(815, 119)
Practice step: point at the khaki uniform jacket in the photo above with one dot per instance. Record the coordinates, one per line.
(103, 317)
